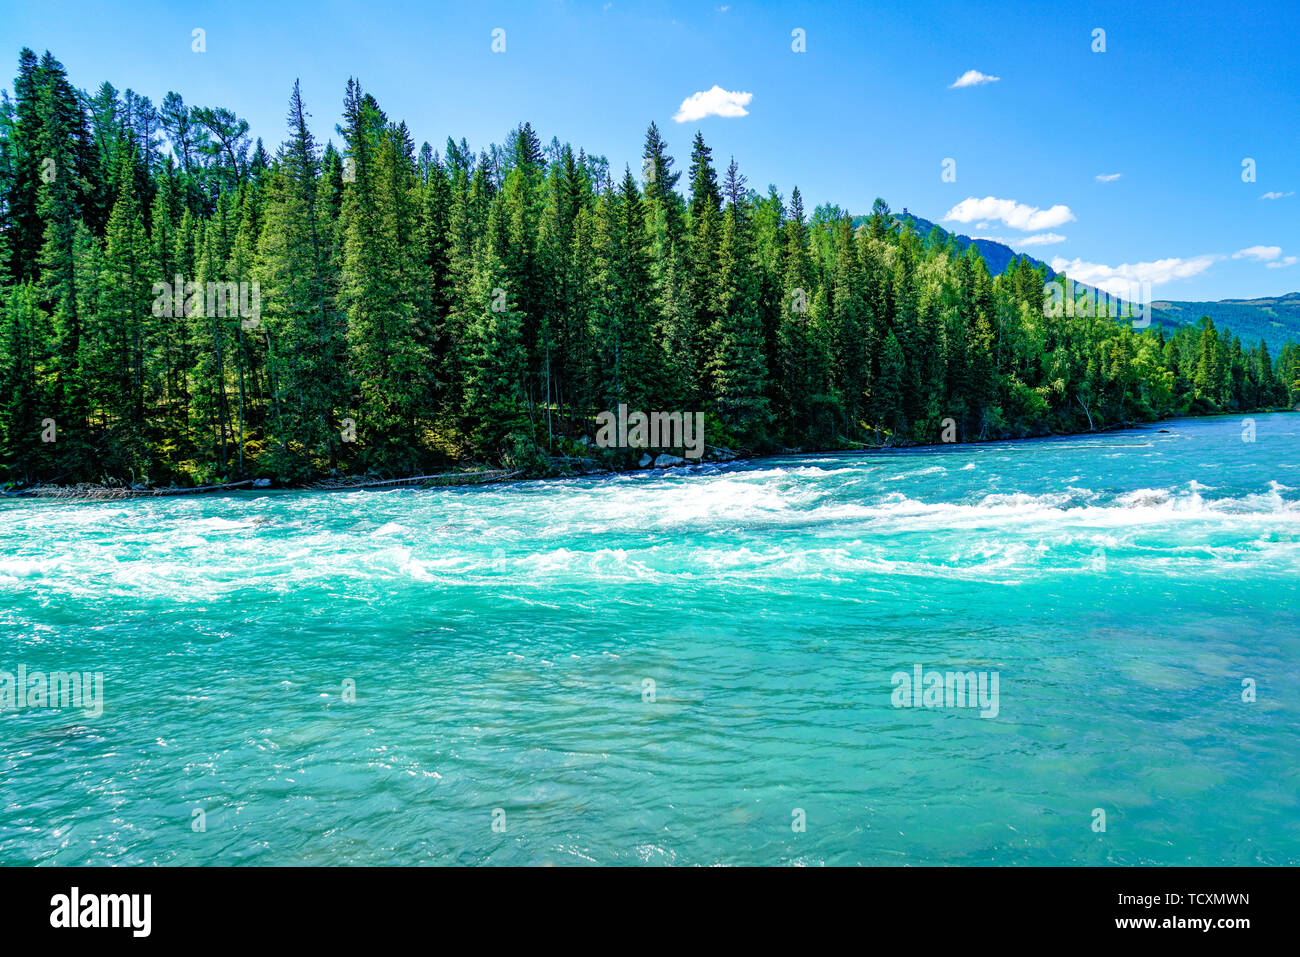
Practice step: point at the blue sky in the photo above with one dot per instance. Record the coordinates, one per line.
(1183, 93)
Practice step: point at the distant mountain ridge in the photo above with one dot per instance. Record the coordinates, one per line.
(1275, 319)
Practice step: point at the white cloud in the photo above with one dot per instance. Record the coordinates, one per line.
(1016, 215)
(1272, 195)
(1258, 253)
(1284, 261)
(714, 102)
(1119, 280)
(1108, 177)
(1041, 239)
(973, 78)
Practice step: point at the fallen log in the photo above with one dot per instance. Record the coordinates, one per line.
(441, 480)
(113, 493)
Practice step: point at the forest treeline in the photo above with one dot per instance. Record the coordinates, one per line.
(416, 309)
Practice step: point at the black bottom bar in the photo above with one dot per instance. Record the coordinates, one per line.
(300, 906)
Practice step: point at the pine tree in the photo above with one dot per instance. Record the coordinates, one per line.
(889, 387)
(624, 320)
(700, 286)
(850, 332)
(303, 330)
(383, 286)
(24, 385)
(495, 402)
(738, 366)
(61, 144)
(1210, 372)
(119, 336)
(665, 205)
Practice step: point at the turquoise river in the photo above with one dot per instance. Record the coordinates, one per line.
(694, 666)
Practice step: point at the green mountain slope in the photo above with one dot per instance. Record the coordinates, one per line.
(1274, 319)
